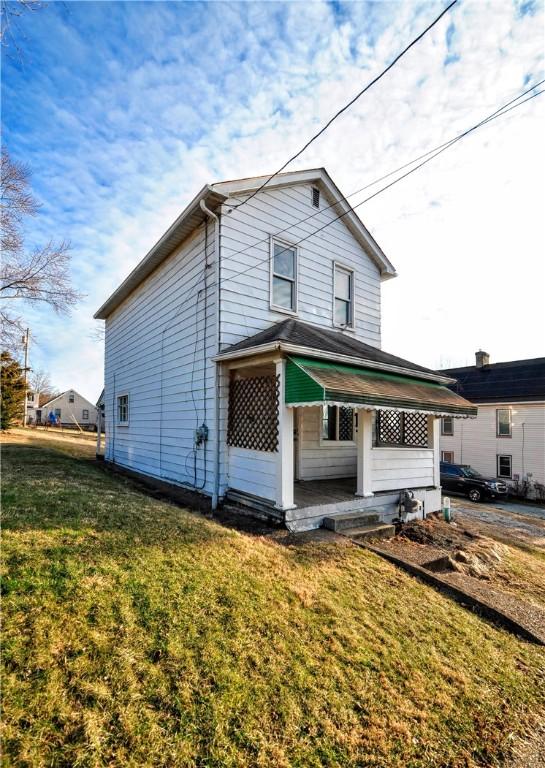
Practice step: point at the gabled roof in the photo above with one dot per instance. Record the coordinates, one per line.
(216, 194)
(294, 336)
(514, 381)
(62, 394)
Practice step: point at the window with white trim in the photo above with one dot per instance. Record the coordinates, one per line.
(447, 426)
(85, 413)
(503, 422)
(58, 412)
(123, 409)
(30, 397)
(343, 297)
(447, 456)
(504, 466)
(284, 276)
(71, 397)
(337, 423)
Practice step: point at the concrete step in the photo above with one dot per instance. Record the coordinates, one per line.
(355, 519)
(380, 531)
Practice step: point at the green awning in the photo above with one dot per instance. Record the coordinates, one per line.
(315, 382)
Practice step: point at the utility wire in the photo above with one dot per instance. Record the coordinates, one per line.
(503, 110)
(385, 176)
(349, 104)
(498, 113)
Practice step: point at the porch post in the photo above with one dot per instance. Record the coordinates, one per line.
(364, 443)
(434, 426)
(284, 457)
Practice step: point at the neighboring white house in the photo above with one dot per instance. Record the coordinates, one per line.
(243, 360)
(507, 439)
(70, 407)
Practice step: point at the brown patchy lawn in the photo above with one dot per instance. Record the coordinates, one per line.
(139, 634)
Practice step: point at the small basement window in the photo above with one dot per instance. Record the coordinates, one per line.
(504, 466)
(315, 197)
(284, 277)
(337, 423)
(123, 409)
(343, 297)
(447, 456)
(503, 422)
(447, 426)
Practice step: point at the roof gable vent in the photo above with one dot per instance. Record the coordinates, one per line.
(315, 197)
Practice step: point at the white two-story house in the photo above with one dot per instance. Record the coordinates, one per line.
(507, 439)
(243, 360)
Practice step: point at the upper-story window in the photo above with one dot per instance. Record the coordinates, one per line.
(343, 290)
(284, 276)
(71, 397)
(447, 426)
(30, 397)
(503, 422)
(85, 413)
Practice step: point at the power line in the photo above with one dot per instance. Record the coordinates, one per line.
(498, 113)
(385, 176)
(503, 110)
(349, 104)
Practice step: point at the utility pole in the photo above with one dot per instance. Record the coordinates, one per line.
(25, 343)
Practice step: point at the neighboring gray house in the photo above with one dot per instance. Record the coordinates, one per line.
(507, 439)
(243, 360)
(71, 408)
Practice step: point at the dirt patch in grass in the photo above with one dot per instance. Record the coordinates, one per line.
(139, 634)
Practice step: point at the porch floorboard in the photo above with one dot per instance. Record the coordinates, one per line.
(310, 493)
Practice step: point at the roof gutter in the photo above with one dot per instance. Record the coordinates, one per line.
(296, 349)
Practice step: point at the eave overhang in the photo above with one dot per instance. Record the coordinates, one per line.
(295, 349)
(185, 224)
(315, 382)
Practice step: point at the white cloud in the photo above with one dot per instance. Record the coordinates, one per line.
(125, 110)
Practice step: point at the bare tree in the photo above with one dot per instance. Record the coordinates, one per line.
(38, 276)
(40, 381)
(10, 13)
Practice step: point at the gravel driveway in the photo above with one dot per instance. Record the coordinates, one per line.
(511, 523)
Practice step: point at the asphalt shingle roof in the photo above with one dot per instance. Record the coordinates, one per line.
(295, 332)
(515, 381)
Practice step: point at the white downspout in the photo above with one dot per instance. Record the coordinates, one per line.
(215, 492)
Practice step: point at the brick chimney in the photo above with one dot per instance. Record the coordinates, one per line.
(482, 359)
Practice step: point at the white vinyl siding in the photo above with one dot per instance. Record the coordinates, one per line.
(475, 442)
(157, 349)
(401, 468)
(246, 233)
(71, 405)
(252, 472)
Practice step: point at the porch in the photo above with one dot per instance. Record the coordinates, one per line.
(312, 438)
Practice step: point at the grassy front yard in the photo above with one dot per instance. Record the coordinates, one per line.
(137, 634)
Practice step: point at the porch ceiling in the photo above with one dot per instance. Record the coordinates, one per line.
(314, 382)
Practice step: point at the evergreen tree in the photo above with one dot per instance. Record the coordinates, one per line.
(13, 391)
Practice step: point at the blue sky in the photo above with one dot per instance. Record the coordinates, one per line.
(123, 110)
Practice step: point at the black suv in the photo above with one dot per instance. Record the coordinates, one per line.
(461, 478)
